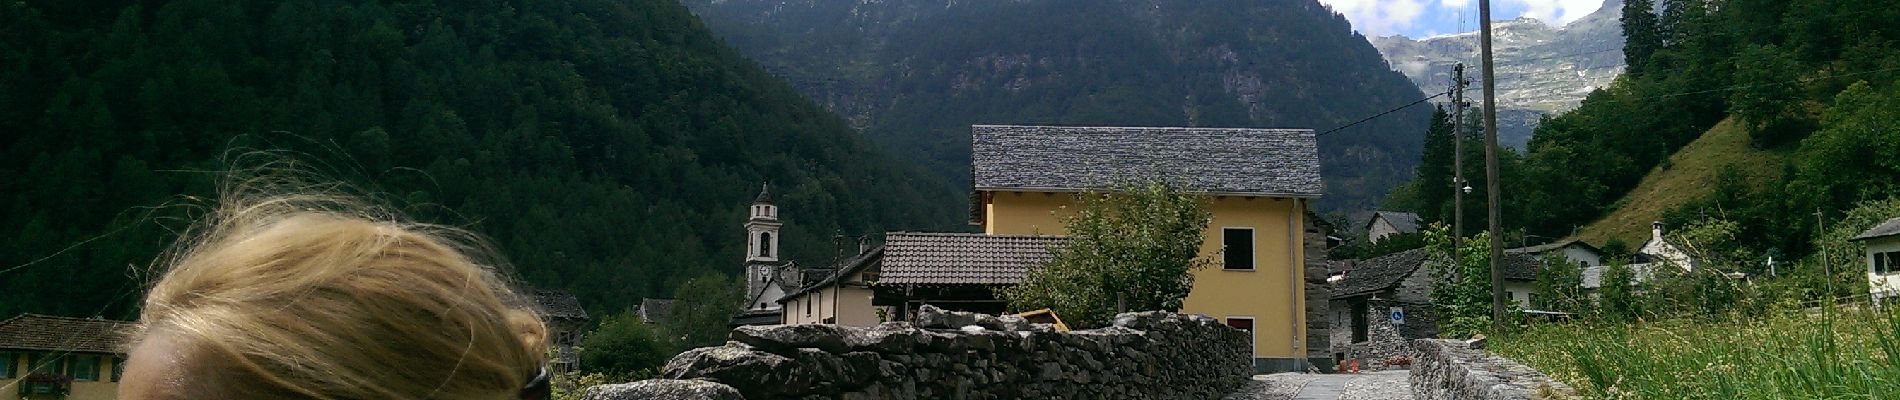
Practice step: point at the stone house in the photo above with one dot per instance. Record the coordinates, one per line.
(1387, 223)
(41, 355)
(1661, 250)
(1380, 304)
(1258, 183)
(952, 271)
(566, 321)
(1883, 259)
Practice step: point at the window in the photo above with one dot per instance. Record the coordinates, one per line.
(118, 368)
(1887, 263)
(6, 365)
(1245, 324)
(765, 244)
(84, 368)
(37, 362)
(1236, 248)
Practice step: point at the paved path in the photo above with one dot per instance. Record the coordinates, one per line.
(1384, 385)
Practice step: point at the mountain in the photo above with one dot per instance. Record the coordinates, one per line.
(608, 147)
(1540, 69)
(915, 74)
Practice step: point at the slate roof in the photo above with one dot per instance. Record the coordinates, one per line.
(556, 303)
(765, 195)
(819, 278)
(1885, 229)
(1378, 273)
(1385, 272)
(1542, 248)
(1404, 222)
(962, 258)
(1276, 162)
(1593, 276)
(51, 333)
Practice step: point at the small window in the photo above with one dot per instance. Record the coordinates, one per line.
(1237, 248)
(84, 368)
(6, 365)
(765, 245)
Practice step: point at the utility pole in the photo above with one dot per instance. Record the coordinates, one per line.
(1491, 164)
(1458, 187)
(1827, 272)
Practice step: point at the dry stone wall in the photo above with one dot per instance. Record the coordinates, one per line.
(1452, 370)
(1148, 355)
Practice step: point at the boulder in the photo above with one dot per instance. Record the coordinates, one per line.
(663, 389)
(785, 339)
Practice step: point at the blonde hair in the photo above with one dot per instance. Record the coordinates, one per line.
(319, 296)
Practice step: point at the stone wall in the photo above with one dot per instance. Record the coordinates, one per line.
(1318, 296)
(1148, 355)
(1451, 369)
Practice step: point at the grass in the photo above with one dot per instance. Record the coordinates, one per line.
(1684, 178)
(1847, 354)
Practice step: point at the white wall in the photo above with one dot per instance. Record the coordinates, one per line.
(1882, 285)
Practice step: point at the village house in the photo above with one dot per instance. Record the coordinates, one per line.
(567, 321)
(1660, 250)
(42, 356)
(1258, 182)
(1577, 252)
(953, 271)
(1380, 304)
(1388, 223)
(1883, 259)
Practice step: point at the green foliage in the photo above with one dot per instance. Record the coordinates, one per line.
(702, 309)
(1845, 354)
(606, 147)
(1364, 249)
(1136, 246)
(625, 348)
(1774, 113)
(1560, 286)
(1642, 36)
(1461, 286)
(916, 74)
(1617, 300)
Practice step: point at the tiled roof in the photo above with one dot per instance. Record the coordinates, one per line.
(1540, 249)
(1404, 222)
(557, 303)
(50, 333)
(1378, 273)
(1282, 162)
(962, 258)
(1885, 229)
(1387, 271)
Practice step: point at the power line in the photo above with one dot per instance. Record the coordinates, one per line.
(1376, 116)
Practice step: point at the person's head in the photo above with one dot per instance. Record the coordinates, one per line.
(298, 296)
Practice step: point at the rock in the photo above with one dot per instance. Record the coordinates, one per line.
(663, 389)
(931, 317)
(783, 339)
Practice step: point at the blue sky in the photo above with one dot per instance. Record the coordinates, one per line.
(1421, 18)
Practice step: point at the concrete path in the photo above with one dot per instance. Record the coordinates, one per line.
(1384, 385)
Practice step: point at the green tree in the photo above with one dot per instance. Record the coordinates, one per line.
(1642, 36)
(1135, 246)
(1559, 285)
(1461, 286)
(702, 308)
(1773, 109)
(624, 347)
(1617, 297)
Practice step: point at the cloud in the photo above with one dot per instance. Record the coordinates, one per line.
(1380, 17)
(1454, 3)
(1555, 12)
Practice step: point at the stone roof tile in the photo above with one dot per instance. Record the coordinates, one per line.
(962, 258)
(1280, 162)
(51, 333)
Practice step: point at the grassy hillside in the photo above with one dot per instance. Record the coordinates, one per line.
(1688, 175)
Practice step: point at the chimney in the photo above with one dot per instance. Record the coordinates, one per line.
(1656, 230)
(864, 244)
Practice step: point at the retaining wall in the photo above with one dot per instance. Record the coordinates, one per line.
(1149, 355)
(1452, 370)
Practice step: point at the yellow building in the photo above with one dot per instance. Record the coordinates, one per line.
(41, 356)
(1258, 184)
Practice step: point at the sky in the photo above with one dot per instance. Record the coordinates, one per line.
(1422, 18)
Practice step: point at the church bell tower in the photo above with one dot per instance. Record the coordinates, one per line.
(763, 283)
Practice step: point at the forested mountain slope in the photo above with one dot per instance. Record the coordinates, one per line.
(915, 74)
(606, 146)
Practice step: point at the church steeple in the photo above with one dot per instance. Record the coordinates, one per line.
(762, 228)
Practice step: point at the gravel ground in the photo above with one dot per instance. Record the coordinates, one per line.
(1280, 386)
(1385, 385)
